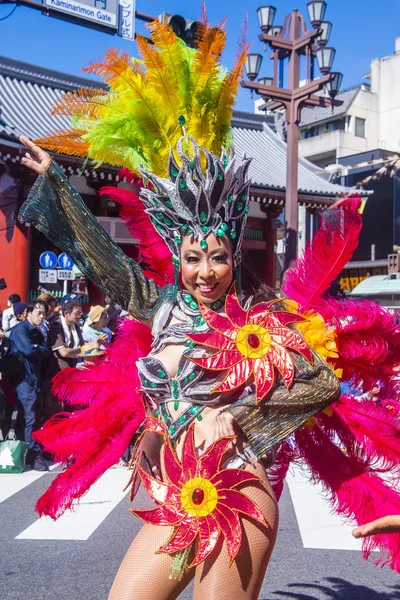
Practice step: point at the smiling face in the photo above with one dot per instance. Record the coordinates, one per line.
(207, 274)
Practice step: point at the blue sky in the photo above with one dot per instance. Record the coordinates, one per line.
(362, 30)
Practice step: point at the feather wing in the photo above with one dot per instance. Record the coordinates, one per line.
(324, 259)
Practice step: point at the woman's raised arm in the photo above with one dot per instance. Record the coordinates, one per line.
(55, 208)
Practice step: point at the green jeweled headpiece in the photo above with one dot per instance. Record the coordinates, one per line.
(199, 202)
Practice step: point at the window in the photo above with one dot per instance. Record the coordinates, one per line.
(360, 127)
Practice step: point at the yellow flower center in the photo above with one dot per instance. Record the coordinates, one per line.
(253, 341)
(199, 497)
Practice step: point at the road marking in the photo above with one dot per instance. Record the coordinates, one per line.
(88, 515)
(12, 483)
(319, 528)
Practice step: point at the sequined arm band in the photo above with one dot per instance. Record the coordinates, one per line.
(273, 420)
(55, 208)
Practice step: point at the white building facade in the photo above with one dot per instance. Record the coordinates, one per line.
(368, 119)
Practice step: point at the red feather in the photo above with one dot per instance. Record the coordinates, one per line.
(324, 259)
(95, 438)
(355, 493)
(153, 251)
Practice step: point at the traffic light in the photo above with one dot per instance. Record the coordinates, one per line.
(183, 28)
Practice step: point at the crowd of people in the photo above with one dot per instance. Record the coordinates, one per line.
(38, 339)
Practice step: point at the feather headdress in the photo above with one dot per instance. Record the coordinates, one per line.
(134, 122)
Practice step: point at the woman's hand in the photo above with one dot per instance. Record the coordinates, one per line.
(37, 159)
(389, 524)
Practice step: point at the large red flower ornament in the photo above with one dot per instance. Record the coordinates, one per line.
(250, 343)
(200, 500)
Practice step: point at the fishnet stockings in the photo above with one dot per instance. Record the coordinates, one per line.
(144, 574)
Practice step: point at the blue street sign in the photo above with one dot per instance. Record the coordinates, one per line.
(65, 262)
(48, 260)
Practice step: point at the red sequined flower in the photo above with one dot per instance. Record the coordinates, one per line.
(250, 343)
(200, 499)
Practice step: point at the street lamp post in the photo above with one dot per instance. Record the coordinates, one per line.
(289, 43)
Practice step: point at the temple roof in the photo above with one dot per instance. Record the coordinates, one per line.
(28, 92)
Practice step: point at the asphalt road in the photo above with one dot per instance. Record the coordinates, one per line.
(38, 561)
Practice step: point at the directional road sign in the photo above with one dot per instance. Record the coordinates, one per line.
(48, 260)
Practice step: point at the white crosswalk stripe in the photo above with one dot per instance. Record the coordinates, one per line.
(88, 515)
(319, 528)
(10, 484)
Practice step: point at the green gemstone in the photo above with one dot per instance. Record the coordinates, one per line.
(204, 229)
(157, 412)
(199, 417)
(225, 163)
(161, 373)
(176, 405)
(174, 383)
(193, 304)
(239, 206)
(193, 409)
(160, 229)
(217, 305)
(203, 217)
(181, 120)
(200, 320)
(220, 233)
(175, 394)
(232, 235)
(159, 215)
(191, 165)
(182, 419)
(220, 176)
(247, 208)
(145, 382)
(192, 376)
(178, 241)
(165, 418)
(174, 172)
(182, 184)
(203, 245)
(186, 381)
(244, 196)
(172, 429)
(153, 385)
(230, 198)
(224, 226)
(167, 221)
(168, 203)
(179, 371)
(192, 344)
(187, 298)
(185, 227)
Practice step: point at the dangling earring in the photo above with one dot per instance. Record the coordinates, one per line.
(177, 269)
(238, 274)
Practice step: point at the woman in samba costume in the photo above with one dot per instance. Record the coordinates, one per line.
(223, 378)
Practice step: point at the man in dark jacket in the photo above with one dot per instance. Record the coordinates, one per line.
(27, 342)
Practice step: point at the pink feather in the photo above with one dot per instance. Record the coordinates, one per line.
(285, 455)
(94, 438)
(323, 260)
(153, 251)
(366, 430)
(354, 492)
(368, 342)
